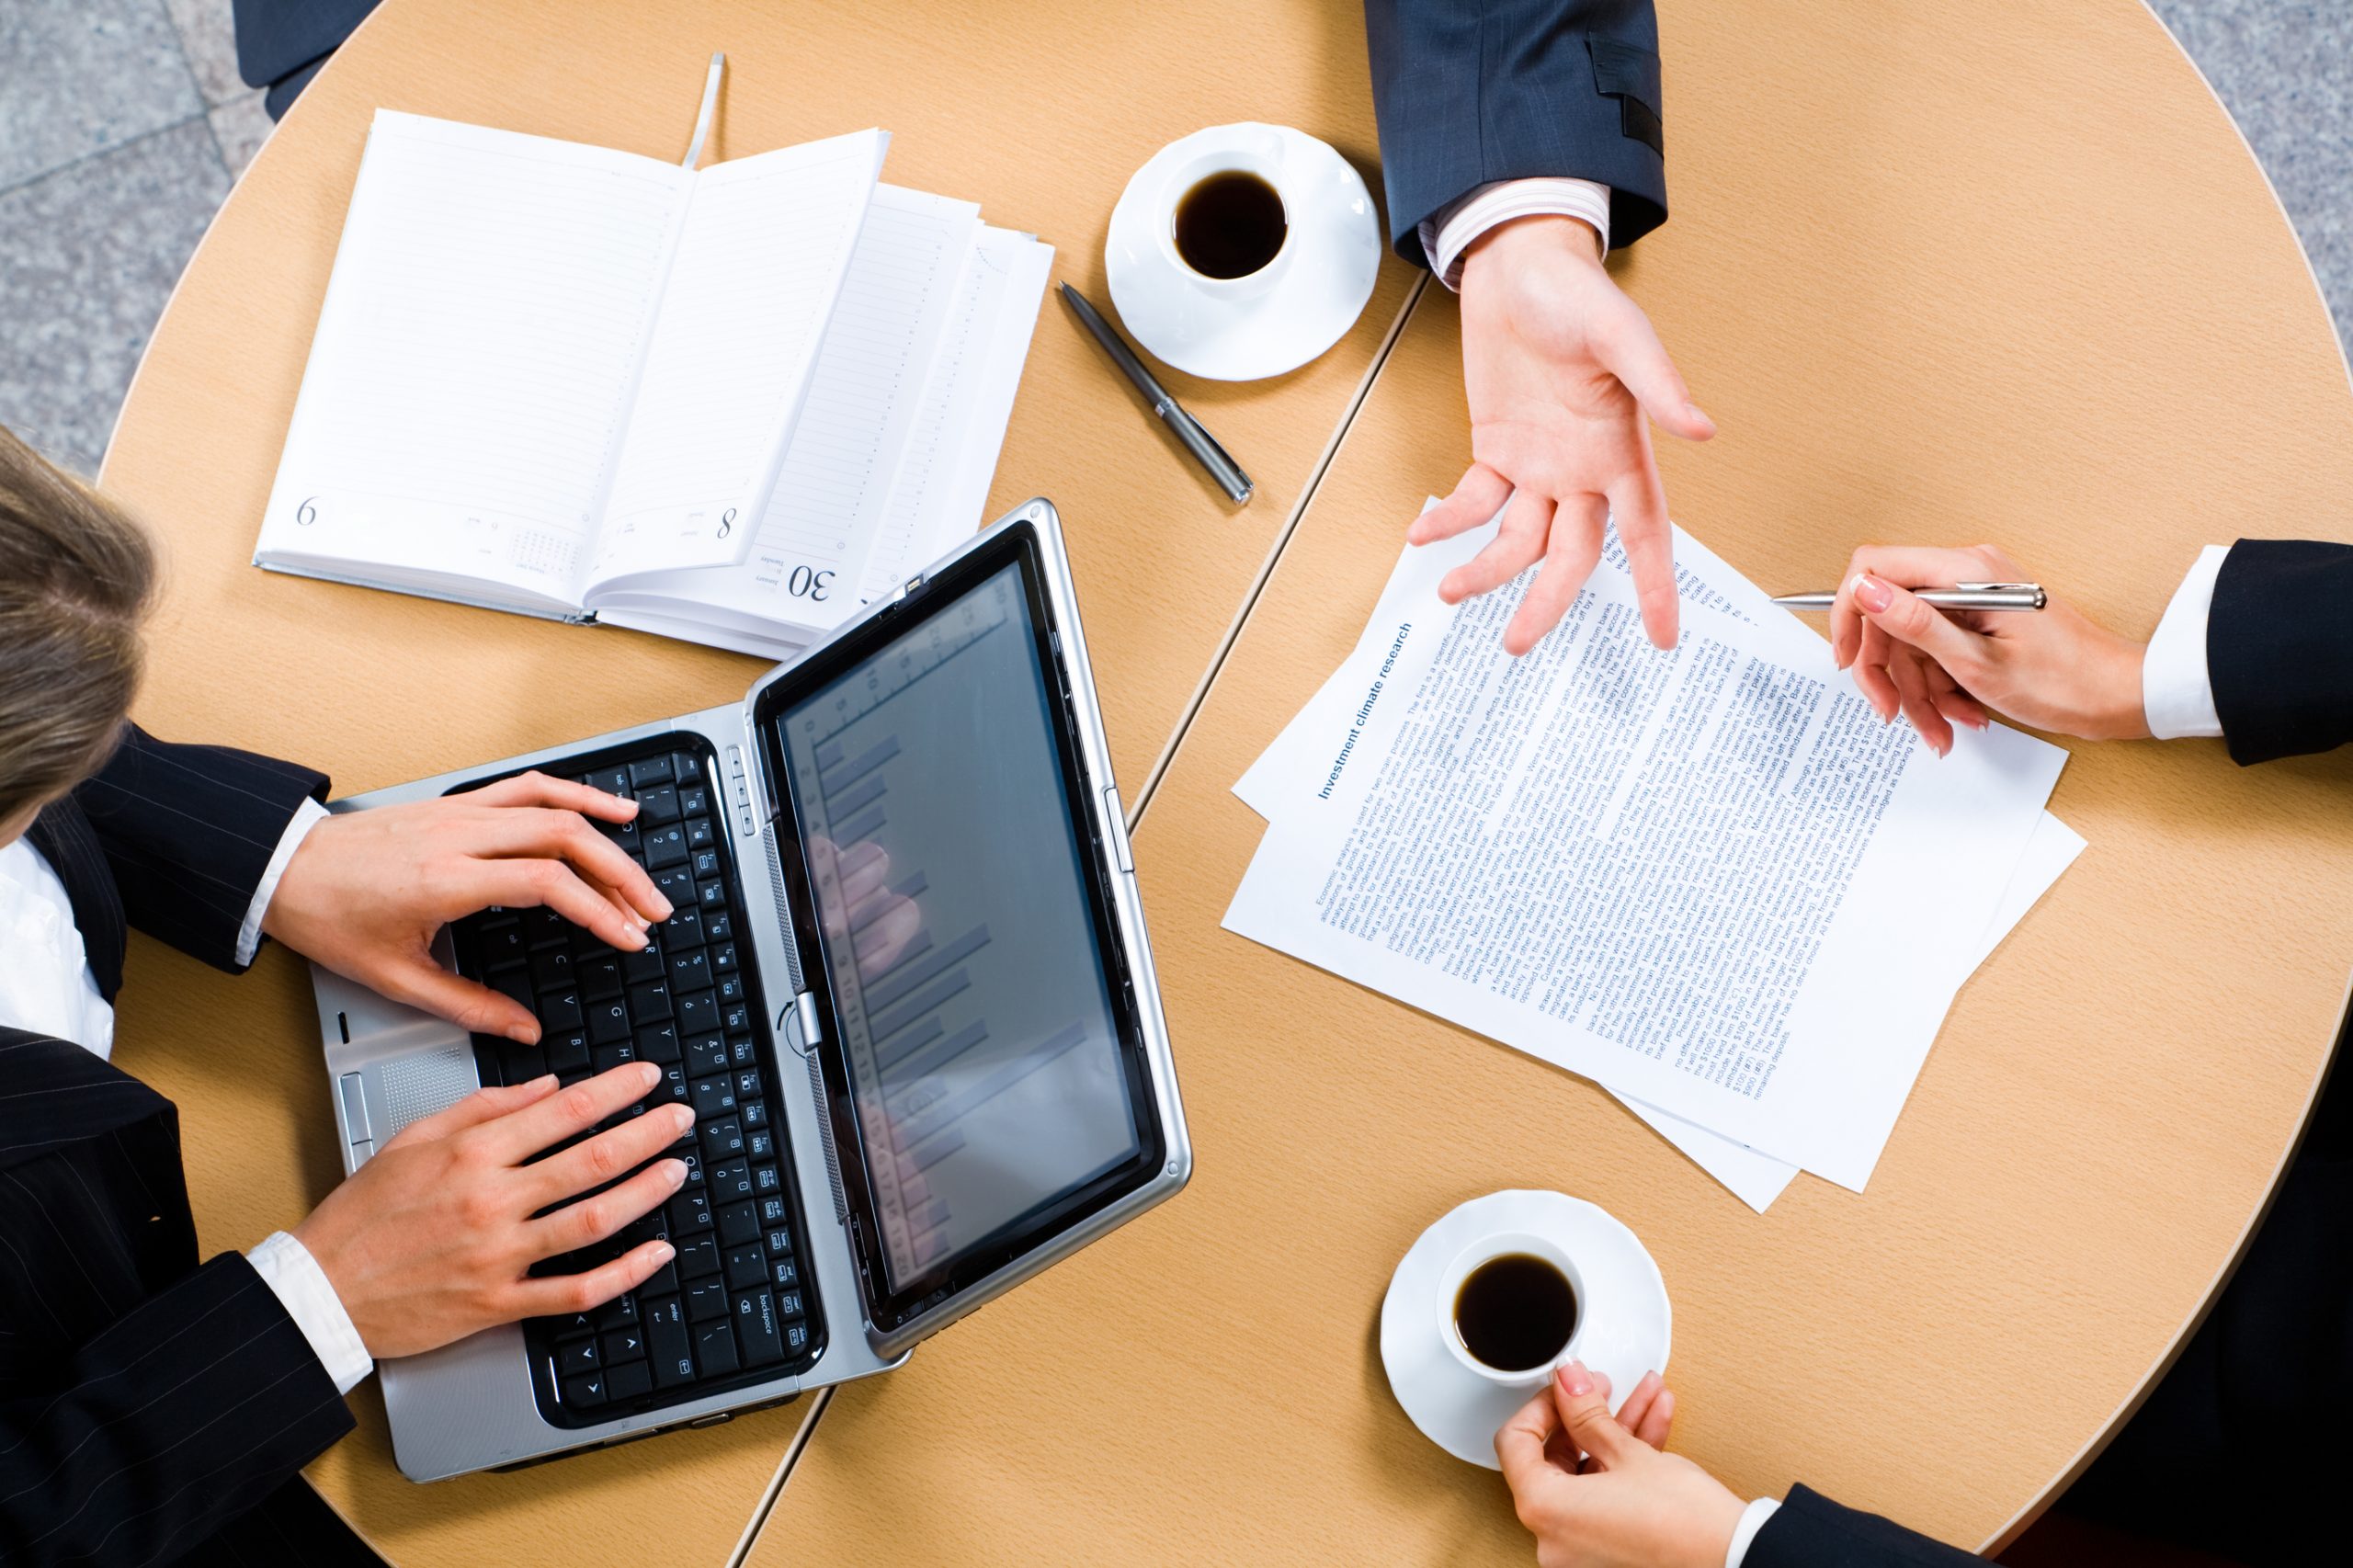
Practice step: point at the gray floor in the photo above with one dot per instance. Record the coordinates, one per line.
(122, 123)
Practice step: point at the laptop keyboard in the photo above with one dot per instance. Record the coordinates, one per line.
(732, 1309)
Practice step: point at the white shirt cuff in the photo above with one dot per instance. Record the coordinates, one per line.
(307, 815)
(2176, 691)
(1752, 1519)
(287, 1267)
(1447, 234)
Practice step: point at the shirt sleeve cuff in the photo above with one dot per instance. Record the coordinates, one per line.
(2177, 692)
(1447, 234)
(287, 1267)
(307, 816)
(1752, 1519)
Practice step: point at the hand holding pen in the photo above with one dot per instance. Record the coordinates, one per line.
(2054, 670)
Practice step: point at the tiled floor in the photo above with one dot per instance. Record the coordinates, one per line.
(122, 123)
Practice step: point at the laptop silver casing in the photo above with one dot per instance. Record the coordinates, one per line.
(471, 1406)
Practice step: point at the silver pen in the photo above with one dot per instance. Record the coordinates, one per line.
(1961, 596)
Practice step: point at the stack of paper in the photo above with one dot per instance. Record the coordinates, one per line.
(1709, 880)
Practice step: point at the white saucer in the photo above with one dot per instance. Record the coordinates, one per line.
(1320, 293)
(1626, 1329)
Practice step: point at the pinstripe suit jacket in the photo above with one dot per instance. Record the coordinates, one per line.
(151, 1409)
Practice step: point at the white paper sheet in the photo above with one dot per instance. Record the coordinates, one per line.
(1791, 1072)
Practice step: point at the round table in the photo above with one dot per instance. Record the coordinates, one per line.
(1942, 274)
(1042, 117)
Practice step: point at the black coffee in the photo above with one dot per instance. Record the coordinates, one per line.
(1515, 1311)
(1230, 225)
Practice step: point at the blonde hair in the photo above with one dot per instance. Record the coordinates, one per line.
(76, 578)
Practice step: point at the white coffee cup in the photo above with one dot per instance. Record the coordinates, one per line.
(1247, 148)
(1487, 1249)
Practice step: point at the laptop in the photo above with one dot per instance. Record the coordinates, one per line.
(906, 990)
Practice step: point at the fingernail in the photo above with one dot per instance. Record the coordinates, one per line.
(541, 1082)
(676, 1171)
(664, 906)
(648, 1073)
(529, 1034)
(1871, 594)
(663, 1252)
(683, 1115)
(1575, 1381)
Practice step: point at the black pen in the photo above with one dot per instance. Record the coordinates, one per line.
(1198, 441)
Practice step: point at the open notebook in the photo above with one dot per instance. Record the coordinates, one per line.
(722, 405)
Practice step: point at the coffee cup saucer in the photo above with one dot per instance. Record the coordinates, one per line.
(1242, 329)
(1625, 1325)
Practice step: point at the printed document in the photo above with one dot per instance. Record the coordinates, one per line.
(1708, 879)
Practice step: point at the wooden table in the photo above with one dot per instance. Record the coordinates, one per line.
(1041, 114)
(1941, 275)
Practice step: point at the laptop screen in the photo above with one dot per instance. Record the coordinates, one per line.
(988, 1050)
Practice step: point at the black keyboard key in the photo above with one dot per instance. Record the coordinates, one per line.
(650, 1001)
(677, 884)
(756, 1329)
(706, 1054)
(705, 862)
(697, 1011)
(772, 1212)
(600, 978)
(722, 959)
(611, 780)
(713, 1097)
(624, 834)
(622, 1345)
(715, 1349)
(705, 1299)
(543, 927)
(618, 1312)
(690, 970)
(755, 1113)
(560, 1009)
(711, 895)
(500, 941)
(694, 799)
(580, 1356)
(741, 1052)
(699, 833)
(723, 1139)
(605, 1058)
(659, 805)
(565, 1052)
(747, 1085)
(784, 1272)
(730, 1182)
(515, 982)
(642, 964)
(796, 1338)
(690, 1156)
(568, 1324)
(672, 1090)
(780, 1241)
(651, 770)
(747, 1268)
(629, 1379)
(735, 1017)
(719, 927)
(681, 931)
(668, 1344)
(685, 767)
(585, 1394)
(690, 1212)
(667, 846)
(737, 1225)
(658, 1042)
(698, 1257)
(787, 1304)
(519, 1064)
(760, 1146)
(765, 1180)
(607, 1022)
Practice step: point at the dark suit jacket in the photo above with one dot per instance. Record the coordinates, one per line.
(2280, 647)
(151, 1409)
(1469, 91)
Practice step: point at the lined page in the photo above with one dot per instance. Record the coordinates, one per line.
(759, 265)
(864, 398)
(467, 386)
(967, 399)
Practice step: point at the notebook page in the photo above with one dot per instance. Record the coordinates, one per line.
(468, 380)
(828, 505)
(931, 507)
(759, 265)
